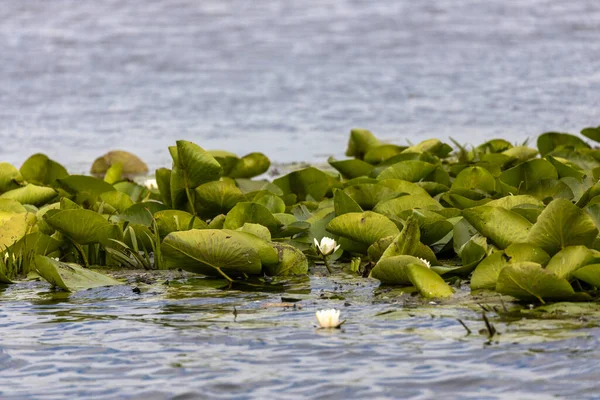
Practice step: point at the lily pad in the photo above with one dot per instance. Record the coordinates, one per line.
(428, 283)
(217, 252)
(344, 204)
(249, 166)
(501, 226)
(529, 281)
(175, 220)
(30, 194)
(82, 226)
(589, 274)
(214, 198)
(244, 212)
(131, 164)
(70, 277)
(393, 270)
(564, 263)
(10, 177)
(291, 261)
(351, 168)
(366, 228)
(305, 183)
(361, 141)
(410, 170)
(560, 225)
(475, 178)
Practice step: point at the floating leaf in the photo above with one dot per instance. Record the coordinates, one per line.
(131, 164)
(30, 194)
(351, 168)
(379, 154)
(570, 259)
(41, 170)
(528, 174)
(560, 225)
(367, 195)
(410, 170)
(366, 228)
(475, 178)
(15, 228)
(428, 283)
(291, 261)
(142, 213)
(305, 182)
(360, 142)
(589, 274)
(214, 198)
(249, 166)
(592, 133)
(549, 141)
(217, 252)
(502, 226)
(393, 270)
(10, 177)
(400, 204)
(529, 281)
(175, 220)
(485, 276)
(344, 204)
(244, 212)
(70, 277)
(256, 230)
(82, 226)
(118, 200)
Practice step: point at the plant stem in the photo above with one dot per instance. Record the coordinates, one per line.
(327, 265)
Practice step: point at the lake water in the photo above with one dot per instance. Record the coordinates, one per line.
(288, 78)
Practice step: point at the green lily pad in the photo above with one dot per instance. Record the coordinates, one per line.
(351, 168)
(216, 252)
(485, 275)
(366, 228)
(249, 166)
(244, 212)
(570, 259)
(560, 225)
(529, 281)
(379, 154)
(509, 202)
(118, 200)
(400, 186)
(291, 261)
(475, 178)
(518, 252)
(367, 195)
(592, 133)
(15, 228)
(175, 220)
(344, 204)
(400, 204)
(428, 283)
(10, 177)
(82, 226)
(70, 277)
(131, 164)
(214, 198)
(360, 142)
(30, 194)
(256, 230)
(501, 226)
(549, 141)
(271, 201)
(521, 153)
(135, 192)
(410, 170)
(406, 242)
(393, 270)
(589, 274)
(163, 181)
(40, 170)
(529, 173)
(304, 183)
(11, 206)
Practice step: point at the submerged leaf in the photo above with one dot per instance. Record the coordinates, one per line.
(70, 277)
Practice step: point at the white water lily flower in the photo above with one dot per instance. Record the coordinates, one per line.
(427, 263)
(327, 246)
(150, 184)
(329, 318)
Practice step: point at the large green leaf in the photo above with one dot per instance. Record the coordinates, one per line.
(550, 141)
(255, 213)
(70, 277)
(367, 195)
(410, 170)
(175, 220)
(360, 142)
(142, 213)
(214, 198)
(485, 276)
(117, 200)
(379, 154)
(304, 183)
(366, 228)
(291, 261)
(30, 194)
(393, 270)
(351, 168)
(10, 177)
(428, 283)
(211, 251)
(395, 207)
(344, 204)
(82, 226)
(475, 178)
(131, 164)
(529, 281)
(589, 274)
(560, 225)
(15, 228)
(592, 133)
(528, 174)
(502, 226)
(192, 166)
(249, 166)
(406, 242)
(570, 259)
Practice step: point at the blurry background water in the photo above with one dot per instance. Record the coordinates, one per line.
(289, 77)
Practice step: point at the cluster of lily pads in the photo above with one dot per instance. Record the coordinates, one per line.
(514, 219)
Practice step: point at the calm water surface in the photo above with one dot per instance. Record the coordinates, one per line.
(288, 78)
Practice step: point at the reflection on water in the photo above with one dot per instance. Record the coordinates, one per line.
(110, 342)
(289, 78)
